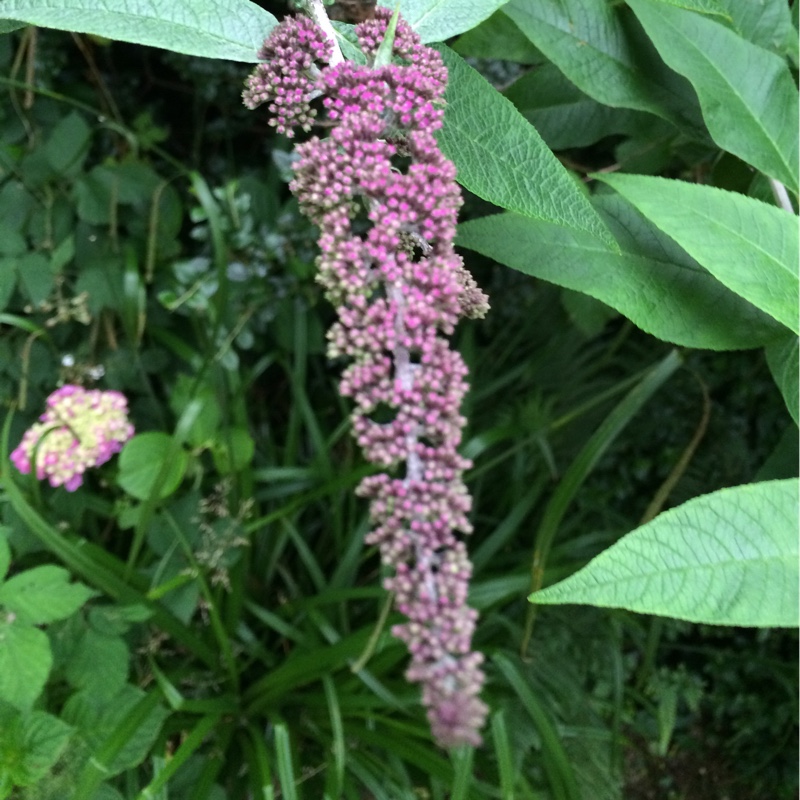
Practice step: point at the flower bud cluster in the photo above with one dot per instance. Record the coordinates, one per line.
(386, 201)
(80, 429)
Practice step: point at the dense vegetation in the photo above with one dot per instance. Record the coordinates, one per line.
(216, 627)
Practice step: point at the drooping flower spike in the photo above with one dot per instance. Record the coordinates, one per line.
(80, 429)
(385, 200)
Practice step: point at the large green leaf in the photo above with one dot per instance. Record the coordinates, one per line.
(43, 594)
(498, 37)
(501, 158)
(767, 23)
(588, 42)
(650, 280)
(782, 357)
(748, 245)
(232, 29)
(747, 94)
(563, 115)
(726, 558)
(437, 20)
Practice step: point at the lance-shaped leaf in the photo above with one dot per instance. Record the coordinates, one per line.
(782, 357)
(437, 20)
(650, 280)
(726, 558)
(501, 158)
(748, 245)
(588, 42)
(232, 29)
(747, 94)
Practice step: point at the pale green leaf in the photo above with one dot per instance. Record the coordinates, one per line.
(650, 280)
(25, 661)
(748, 245)
(726, 558)
(784, 364)
(149, 459)
(501, 158)
(587, 41)
(231, 29)
(747, 94)
(43, 594)
(437, 20)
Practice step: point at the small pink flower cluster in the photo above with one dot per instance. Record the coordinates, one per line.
(284, 81)
(386, 201)
(80, 429)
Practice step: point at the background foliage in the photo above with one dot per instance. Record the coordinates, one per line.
(202, 618)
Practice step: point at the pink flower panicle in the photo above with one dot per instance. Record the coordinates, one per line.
(80, 429)
(386, 201)
(286, 79)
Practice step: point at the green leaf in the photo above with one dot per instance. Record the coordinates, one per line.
(147, 458)
(712, 7)
(562, 114)
(784, 364)
(43, 594)
(501, 158)
(30, 743)
(5, 552)
(498, 37)
(205, 426)
(767, 24)
(748, 245)
(8, 25)
(726, 558)
(100, 662)
(650, 281)
(747, 94)
(233, 450)
(232, 29)
(103, 721)
(437, 20)
(383, 56)
(25, 661)
(43, 739)
(587, 41)
(285, 768)
(68, 144)
(35, 276)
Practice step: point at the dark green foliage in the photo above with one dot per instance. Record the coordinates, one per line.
(238, 644)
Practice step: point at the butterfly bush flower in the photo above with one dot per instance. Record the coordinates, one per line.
(385, 201)
(80, 429)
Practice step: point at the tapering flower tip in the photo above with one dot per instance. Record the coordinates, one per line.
(455, 712)
(286, 81)
(80, 429)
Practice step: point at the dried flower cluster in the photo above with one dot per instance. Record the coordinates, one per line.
(385, 200)
(80, 429)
